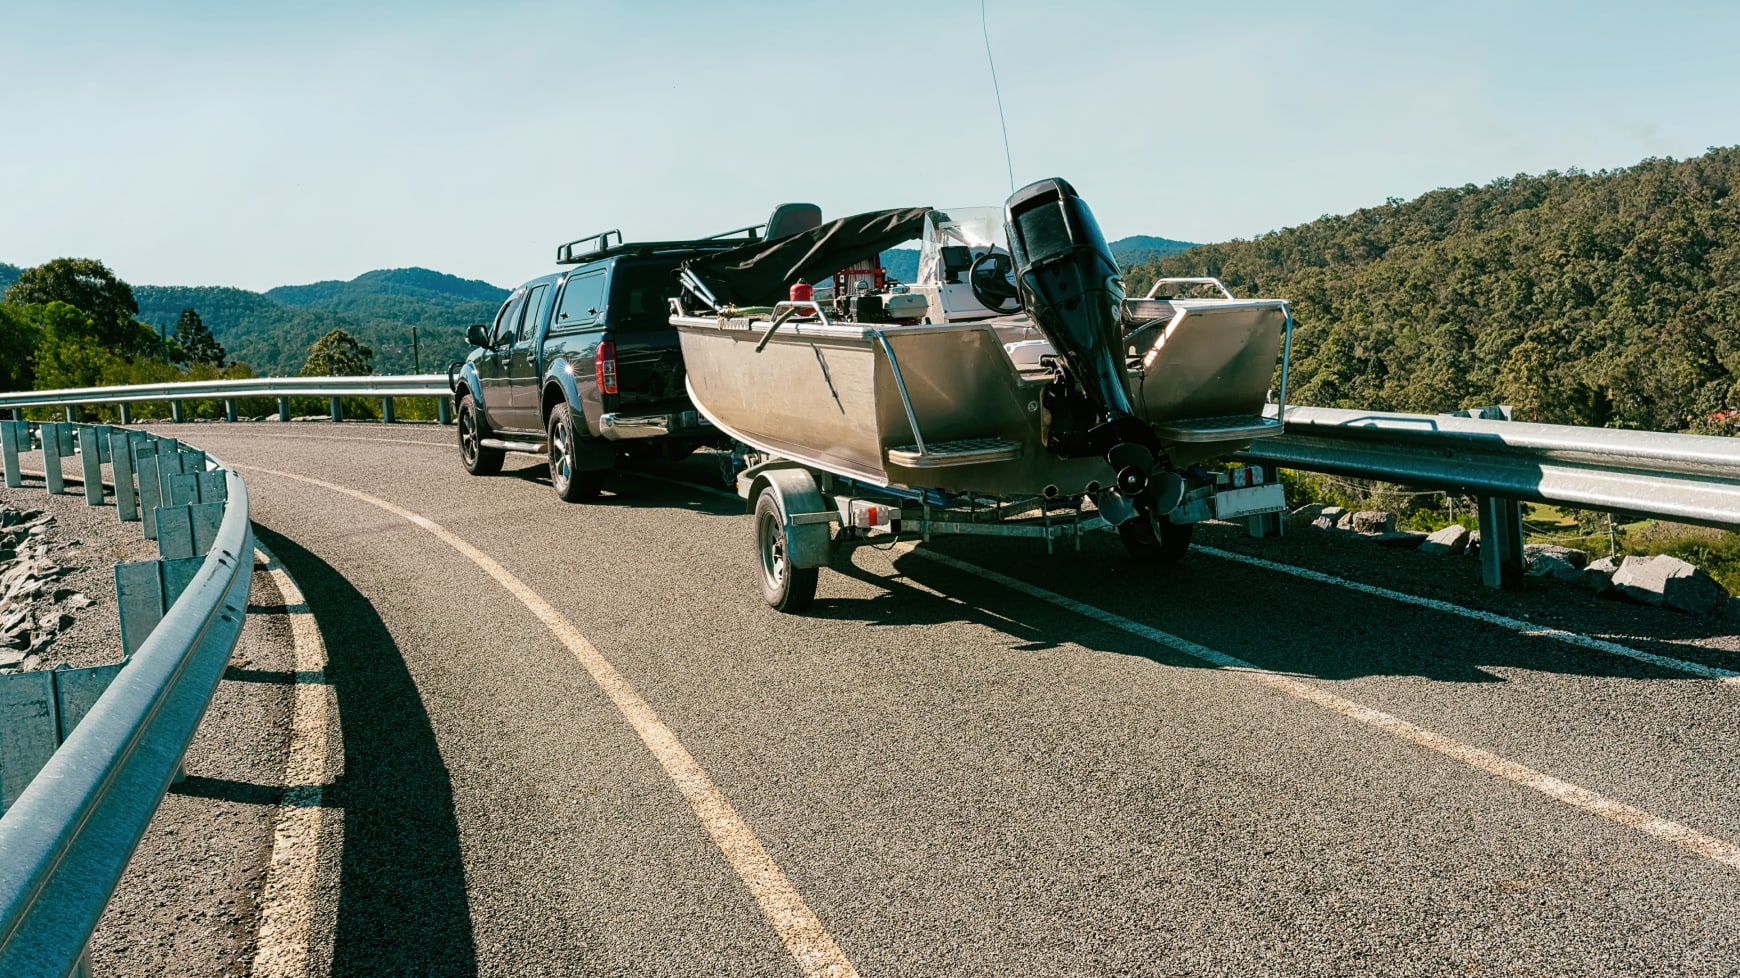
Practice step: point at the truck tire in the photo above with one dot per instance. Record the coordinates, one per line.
(572, 485)
(784, 587)
(1155, 541)
(477, 459)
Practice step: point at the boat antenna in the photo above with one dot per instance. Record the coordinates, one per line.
(995, 88)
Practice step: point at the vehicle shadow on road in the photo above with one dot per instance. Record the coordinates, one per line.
(402, 905)
(1286, 626)
(645, 486)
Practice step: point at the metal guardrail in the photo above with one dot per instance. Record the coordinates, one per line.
(1686, 478)
(229, 391)
(68, 836)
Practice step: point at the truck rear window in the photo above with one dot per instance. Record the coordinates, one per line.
(640, 295)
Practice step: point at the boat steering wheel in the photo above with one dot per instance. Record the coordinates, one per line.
(989, 278)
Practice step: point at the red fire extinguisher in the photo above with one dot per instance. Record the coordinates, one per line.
(803, 292)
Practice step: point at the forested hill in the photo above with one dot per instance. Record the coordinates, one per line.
(8, 275)
(272, 332)
(1607, 298)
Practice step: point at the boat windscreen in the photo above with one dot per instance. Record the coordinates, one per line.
(762, 273)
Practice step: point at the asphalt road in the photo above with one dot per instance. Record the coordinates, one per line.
(1218, 770)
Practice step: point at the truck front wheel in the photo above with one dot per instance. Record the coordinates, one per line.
(477, 459)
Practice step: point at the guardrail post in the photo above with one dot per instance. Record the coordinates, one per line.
(72, 414)
(230, 410)
(337, 409)
(387, 414)
(126, 413)
(51, 458)
(443, 410)
(176, 414)
(283, 409)
(121, 456)
(18, 414)
(13, 434)
(1501, 542)
(91, 456)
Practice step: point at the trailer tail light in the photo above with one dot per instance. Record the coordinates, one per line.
(867, 515)
(1248, 476)
(605, 364)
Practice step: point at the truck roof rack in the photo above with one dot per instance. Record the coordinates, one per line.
(599, 246)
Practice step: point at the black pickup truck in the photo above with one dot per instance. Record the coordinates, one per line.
(583, 364)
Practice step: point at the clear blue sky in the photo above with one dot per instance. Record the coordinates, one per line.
(252, 144)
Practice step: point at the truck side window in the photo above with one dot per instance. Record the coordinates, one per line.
(582, 300)
(508, 320)
(534, 306)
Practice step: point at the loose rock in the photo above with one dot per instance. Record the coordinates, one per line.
(1670, 582)
(1374, 521)
(1449, 541)
(1306, 515)
(1576, 558)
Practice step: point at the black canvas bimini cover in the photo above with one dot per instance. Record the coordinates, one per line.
(761, 273)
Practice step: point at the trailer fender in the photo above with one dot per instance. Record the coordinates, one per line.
(808, 544)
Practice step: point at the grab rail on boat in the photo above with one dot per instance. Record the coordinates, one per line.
(1189, 281)
(783, 311)
(900, 385)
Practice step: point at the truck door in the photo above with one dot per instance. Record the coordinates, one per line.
(523, 363)
(492, 367)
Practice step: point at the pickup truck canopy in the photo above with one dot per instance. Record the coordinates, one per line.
(761, 273)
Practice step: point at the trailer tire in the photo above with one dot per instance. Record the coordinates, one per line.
(784, 587)
(1155, 540)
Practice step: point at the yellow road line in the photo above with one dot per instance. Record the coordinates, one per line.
(287, 902)
(804, 936)
(1685, 837)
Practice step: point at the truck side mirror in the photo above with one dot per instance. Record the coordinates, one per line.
(477, 335)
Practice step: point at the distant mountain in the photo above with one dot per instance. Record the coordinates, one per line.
(902, 263)
(414, 283)
(272, 331)
(1138, 248)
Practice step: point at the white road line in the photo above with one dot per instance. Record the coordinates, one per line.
(798, 927)
(373, 441)
(287, 902)
(1685, 837)
(1486, 617)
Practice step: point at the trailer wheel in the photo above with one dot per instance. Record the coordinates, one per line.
(784, 587)
(1155, 540)
(477, 459)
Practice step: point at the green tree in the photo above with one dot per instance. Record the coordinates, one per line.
(196, 343)
(338, 354)
(87, 284)
(70, 355)
(19, 335)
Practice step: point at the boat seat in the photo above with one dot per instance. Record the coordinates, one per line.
(789, 219)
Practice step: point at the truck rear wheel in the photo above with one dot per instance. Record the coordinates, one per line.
(477, 459)
(784, 587)
(572, 485)
(1155, 540)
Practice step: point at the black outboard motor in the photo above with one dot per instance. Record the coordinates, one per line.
(1071, 288)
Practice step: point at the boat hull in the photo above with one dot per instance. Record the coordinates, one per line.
(827, 395)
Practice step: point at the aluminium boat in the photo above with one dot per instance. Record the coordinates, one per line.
(1014, 366)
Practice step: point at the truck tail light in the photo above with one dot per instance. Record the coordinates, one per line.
(605, 364)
